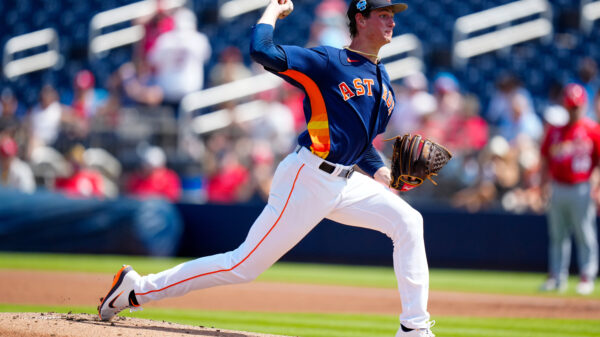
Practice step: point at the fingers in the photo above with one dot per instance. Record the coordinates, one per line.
(288, 7)
(285, 7)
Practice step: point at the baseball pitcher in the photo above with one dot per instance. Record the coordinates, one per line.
(349, 100)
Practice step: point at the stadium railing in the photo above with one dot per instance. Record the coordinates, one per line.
(100, 43)
(505, 35)
(590, 12)
(14, 67)
(233, 8)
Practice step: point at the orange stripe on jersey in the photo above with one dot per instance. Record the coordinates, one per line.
(318, 126)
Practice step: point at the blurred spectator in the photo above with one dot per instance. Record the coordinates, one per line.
(226, 160)
(14, 173)
(276, 123)
(587, 72)
(412, 102)
(498, 173)
(154, 179)
(137, 85)
(511, 111)
(178, 57)
(13, 118)
(87, 99)
(570, 155)
(108, 166)
(82, 182)
(46, 119)
(263, 169)
(554, 113)
(329, 25)
(155, 25)
(229, 182)
(429, 124)
(445, 124)
(466, 146)
(48, 164)
(597, 105)
(293, 97)
(10, 109)
(474, 135)
(447, 91)
(229, 68)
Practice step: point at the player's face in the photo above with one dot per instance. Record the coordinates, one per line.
(380, 25)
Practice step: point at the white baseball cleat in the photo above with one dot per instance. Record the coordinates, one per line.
(585, 287)
(422, 332)
(121, 294)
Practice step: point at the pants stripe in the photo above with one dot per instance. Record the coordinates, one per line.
(249, 254)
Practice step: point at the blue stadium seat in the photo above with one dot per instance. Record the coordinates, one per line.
(431, 21)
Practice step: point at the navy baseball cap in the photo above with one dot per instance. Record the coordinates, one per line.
(365, 6)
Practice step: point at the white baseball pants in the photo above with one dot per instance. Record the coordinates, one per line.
(301, 196)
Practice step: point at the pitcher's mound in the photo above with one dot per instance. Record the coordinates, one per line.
(86, 325)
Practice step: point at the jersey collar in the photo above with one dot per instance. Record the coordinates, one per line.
(350, 58)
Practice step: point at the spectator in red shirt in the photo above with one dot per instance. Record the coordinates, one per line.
(229, 184)
(155, 25)
(83, 182)
(154, 179)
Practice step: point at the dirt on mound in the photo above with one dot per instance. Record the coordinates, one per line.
(85, 325)
(80, 289)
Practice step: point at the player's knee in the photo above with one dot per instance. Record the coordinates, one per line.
(246, 275)
(415, 223)
(243, 270)
(410, 226)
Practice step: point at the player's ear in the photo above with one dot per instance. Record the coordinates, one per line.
(360, 19)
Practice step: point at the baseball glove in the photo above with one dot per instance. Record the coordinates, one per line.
(415, 159)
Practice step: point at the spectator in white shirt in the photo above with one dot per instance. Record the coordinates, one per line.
(178, 58)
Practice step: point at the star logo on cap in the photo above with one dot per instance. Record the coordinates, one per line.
(361, 5)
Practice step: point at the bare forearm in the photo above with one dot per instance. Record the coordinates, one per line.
(383, 175)
(270, 15)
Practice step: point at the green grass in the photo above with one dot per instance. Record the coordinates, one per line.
(340, 325)
(326, 325)
(517, 283)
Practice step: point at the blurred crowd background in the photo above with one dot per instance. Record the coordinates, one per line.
(109, 124)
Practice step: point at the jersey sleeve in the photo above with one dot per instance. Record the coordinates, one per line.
(309, 61)
(264, 51)
(371, 161)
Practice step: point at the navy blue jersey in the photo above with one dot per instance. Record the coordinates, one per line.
(348, 100)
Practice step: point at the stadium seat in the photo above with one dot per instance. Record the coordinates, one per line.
(431, 21)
